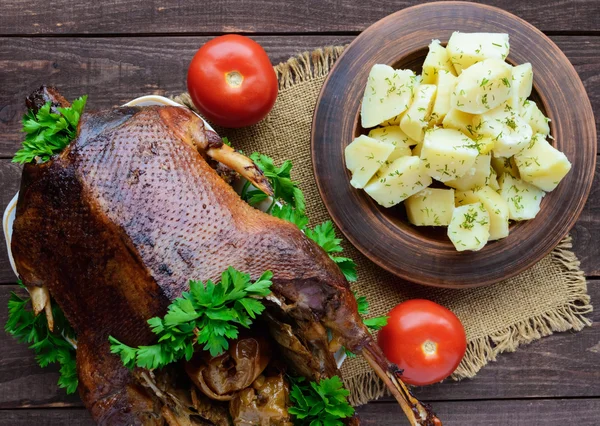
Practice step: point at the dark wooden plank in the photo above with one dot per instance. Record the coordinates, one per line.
(110, 70)
(562, 365)
(174, 16)
(114, 70)
(46, 417)
(547, 412)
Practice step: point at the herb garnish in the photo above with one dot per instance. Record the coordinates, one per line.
(209, 314)
(48, 133)
(323, 403)
(50, 347)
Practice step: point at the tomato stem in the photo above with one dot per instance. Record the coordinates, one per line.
(429, 347)
(234, 78)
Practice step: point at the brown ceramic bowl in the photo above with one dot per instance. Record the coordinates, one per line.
(425, 254)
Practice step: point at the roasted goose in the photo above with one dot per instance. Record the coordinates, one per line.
(116, 225)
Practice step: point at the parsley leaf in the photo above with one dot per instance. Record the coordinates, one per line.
(48, 133)
(323, 403)
(284, 188)
(209, 315)
(292, 206)
(49, 347)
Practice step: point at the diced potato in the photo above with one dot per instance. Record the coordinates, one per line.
(523, 199)
(395, 136)
(394, 121)
(541, 164)
(461, 121)
(482, 87)
(448, 154)
(364, 156)
(466, 49)
(497, 208)
(462, 198)
(445, 86)
(469, 228)
(415, 120)
(505, 165)
(521, 85)
(437, 60)
(388, 93)
(417, 149)
(535, 118)
(397, 181)
(492, 181)
(430, 207)
(477, 177)
(509, 132)
(485, 144)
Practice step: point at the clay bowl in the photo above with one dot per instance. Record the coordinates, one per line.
(425, 254)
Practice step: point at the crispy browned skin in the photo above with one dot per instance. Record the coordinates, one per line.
(119, 223)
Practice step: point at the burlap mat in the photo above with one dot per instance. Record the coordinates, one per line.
(551, 296)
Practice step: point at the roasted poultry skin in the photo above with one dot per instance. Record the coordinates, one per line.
(117, 224)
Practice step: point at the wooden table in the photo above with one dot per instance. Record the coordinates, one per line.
(118, 50)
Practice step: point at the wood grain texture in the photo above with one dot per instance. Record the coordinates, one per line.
(547, 412)
(564, 364)
(383, 234)
(115, 70)
(174, 16)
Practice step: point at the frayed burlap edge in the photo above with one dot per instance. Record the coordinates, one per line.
(571, 316)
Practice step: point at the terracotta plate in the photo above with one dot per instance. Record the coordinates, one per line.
(425, 254)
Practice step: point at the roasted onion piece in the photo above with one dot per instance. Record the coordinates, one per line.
(263, 404)
(221, 376)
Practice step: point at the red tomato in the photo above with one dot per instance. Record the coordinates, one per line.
(424, 339)
(232, 82)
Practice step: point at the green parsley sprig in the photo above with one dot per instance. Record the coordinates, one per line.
(319, 404)
(48, 133)
(208, 315)
(50, 347)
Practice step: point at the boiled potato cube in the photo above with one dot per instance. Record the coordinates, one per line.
(388, 93)
(469, 228)
(445, 86)
(509, 132)
(395, 136)
(462, 198)
(482, 87)
(437, 60)
(485, 144)
(535, 118)
(523, 199)
(416, 118)
(364, 156)
(541, 164)
(461, 121)
(466, 49)
(430, 207)
(505, 165)
(497, 208)
(417, 149)
(397, 181)
(394, 121)
(521, 85)
(448, 154)
(492, 181)
(477, 177)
